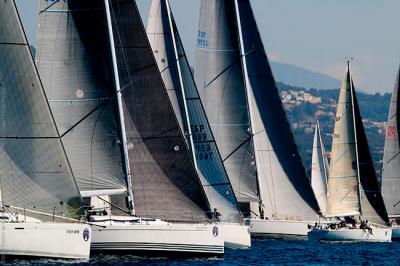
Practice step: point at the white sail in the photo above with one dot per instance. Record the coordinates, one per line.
(391, 156)
(319, 170)
(343, 195)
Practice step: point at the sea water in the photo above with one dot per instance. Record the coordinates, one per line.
(263, 252)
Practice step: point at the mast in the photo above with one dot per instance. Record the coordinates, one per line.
(355, 136)
(247, 87)
(181, 84)
(120, 109)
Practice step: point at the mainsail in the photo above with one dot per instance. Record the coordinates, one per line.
(391, 156)
(244, 108)
(34, 171)
(352, 184)
(319, 170)
(77, 76)
(164, 179)
(182, 90)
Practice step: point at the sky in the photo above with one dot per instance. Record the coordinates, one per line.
(314, 34)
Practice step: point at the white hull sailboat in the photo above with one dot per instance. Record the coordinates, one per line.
(45, 240)
(289, 229)
(241, 100)
(121, 134)
(121, 233)
(352, 235)
(179, 82)
(35, 174)
(391, 162)
(352, 185)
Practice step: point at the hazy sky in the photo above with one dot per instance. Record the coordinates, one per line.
(315, 34)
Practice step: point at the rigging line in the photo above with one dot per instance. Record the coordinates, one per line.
(45, 9)
(223, 71)
(395, 114)
(83, 118)
(237, 148)
(393, 157)
(113, 205)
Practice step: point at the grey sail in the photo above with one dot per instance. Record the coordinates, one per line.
(372, 204)
(175, 70)
(164, 179)
(319, 170)
(72, 58)
(284, 187)
(34, 171)
(218, 75)
(391, 156)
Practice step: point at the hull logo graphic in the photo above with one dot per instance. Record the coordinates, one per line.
(215, 231)
(86, 234)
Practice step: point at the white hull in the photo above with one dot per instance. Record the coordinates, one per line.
(143, 235)
(396, 233)
(235, 235)
(50, 240)
(279, 228)
(354, 235)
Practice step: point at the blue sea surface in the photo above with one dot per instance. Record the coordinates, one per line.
(263, 252)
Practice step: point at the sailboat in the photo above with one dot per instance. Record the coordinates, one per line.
(40, 203)
(178, 79)
(319, 170)
(242, 103)
(120, 131)
(352, 185)
(391, 164)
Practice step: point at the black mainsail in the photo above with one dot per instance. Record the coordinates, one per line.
(34, 170)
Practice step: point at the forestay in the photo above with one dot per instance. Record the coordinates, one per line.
(391, 156)
(34, 171)
(74, 64)
(319, 170)
(218, 75)
(176, 73)
(164, 179)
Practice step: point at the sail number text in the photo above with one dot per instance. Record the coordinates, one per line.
(202, 149)
(201, 39)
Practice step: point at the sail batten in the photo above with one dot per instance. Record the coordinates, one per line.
(73, 60)
(165, 182)
(169, 52)
(34, 170)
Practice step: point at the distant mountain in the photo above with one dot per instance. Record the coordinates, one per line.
(301, 77)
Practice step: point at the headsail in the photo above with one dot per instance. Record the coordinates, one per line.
(34, 171)
(165, 182)
(182, 90)
(319, 170)
(77, 76)
(284, 188)
(391, 155)
(218, 75)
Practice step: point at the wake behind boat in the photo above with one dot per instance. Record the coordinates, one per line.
(352, 185)
(40, 203)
